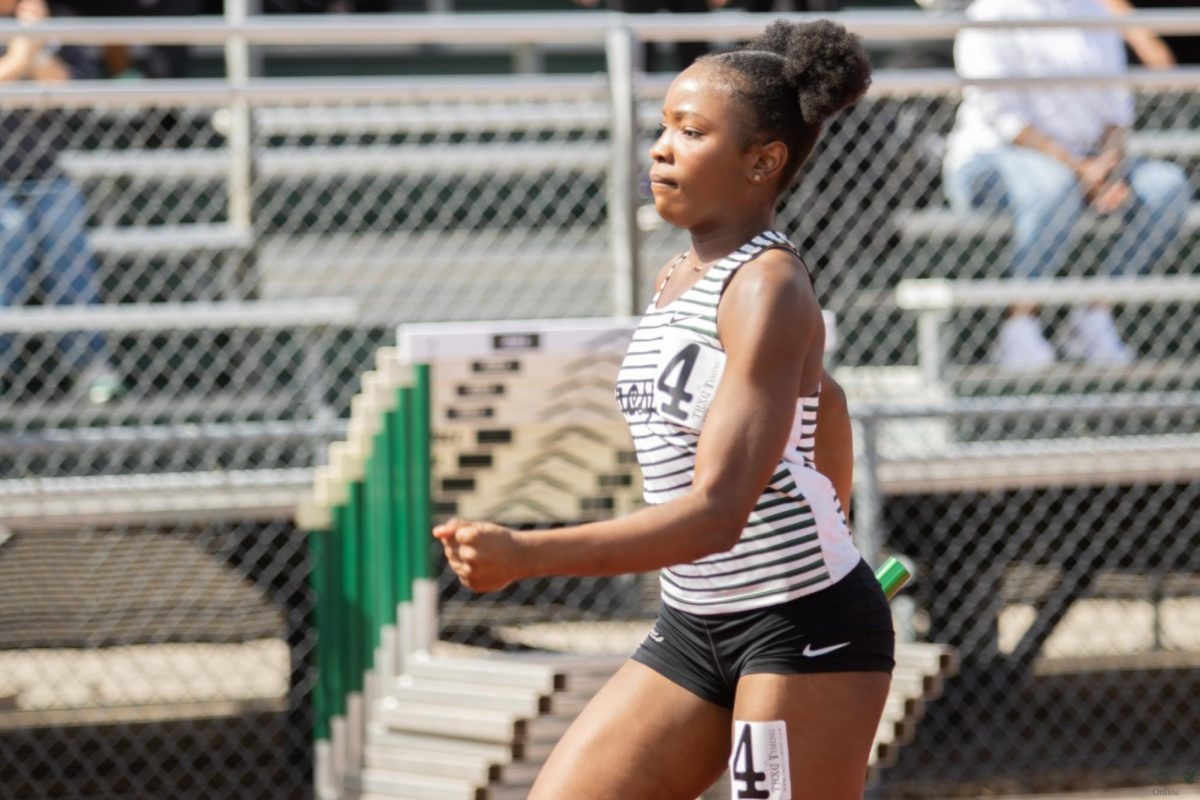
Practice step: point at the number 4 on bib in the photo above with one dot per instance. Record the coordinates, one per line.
(688, 375)
(680, 369)
(759, 768)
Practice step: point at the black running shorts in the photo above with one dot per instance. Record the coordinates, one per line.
(845, 628)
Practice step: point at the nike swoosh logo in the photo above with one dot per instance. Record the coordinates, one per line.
(811, 651)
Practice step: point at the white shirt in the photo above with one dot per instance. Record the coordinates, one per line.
(796, 540)
(1074, 116)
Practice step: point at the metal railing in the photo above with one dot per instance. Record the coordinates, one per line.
(617, 34)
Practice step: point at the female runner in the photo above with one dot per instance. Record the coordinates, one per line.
(773, 650)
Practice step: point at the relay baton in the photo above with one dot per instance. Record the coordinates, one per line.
(892, 575)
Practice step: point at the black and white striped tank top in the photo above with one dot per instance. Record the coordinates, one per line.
(796, 540)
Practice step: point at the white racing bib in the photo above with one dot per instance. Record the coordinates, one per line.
(688, 374)
(759, 767)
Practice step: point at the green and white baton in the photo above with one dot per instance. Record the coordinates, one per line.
(892, 575)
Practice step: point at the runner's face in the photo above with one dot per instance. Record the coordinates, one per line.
(698, 165)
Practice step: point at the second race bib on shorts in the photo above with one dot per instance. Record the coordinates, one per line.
(688, 374)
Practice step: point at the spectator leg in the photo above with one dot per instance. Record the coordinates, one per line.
(1041, 195)
(1161, 193)
(16, 267)
(1047, 204)
(60, 225)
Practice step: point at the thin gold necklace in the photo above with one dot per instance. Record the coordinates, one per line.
(697, 266)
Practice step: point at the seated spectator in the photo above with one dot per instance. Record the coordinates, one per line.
(43, 244)
(1045, 155)
(1149, 48)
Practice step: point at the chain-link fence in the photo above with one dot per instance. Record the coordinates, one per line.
(1052, 537)
(487, 210)
(162, 660)
(1053, 525)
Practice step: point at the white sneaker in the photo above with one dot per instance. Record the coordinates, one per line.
(99, 384)
(1021, 344)
(1093, 338)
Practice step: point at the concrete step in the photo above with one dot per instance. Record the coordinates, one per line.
(569, 703)
(518, 773)
(383, 783)
(430, 763)
(488, 672)
(404, 742)
(506, 791)
(525, 702)
(898, 708)
(474, 724)
(926, 658)
(583, 674)
(547, 728)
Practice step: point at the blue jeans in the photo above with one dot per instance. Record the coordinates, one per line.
(1045, 202)
(44, 250)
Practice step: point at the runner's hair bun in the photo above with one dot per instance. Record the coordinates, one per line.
(824, 63)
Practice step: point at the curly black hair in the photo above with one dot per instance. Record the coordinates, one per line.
(791, 79)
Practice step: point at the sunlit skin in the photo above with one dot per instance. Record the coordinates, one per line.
(704, 179)
(24, 57)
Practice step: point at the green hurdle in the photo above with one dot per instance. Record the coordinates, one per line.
(368, 522)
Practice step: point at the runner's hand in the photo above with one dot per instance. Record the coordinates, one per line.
(484, 556)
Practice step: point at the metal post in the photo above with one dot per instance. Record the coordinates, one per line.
(317, 343)
(338, 650)
(868, 500)
(527, 59)
(399, 421)
(323, 701)
(623, 170)
(424, 588)
(930, 347)
(237, 72)
(354, 592)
